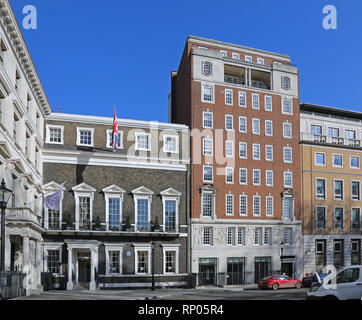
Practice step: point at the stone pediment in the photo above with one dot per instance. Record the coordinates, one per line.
(52, 186)
(170, 192)
(18, 165)
(113, 189)
(83, 187)
(5, 150)
(142, 190)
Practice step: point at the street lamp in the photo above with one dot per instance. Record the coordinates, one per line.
(153, 265)
(281, 255)
(4, 198)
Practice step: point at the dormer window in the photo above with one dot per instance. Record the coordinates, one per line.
(85, 137)
(236, 56)
(207, 69)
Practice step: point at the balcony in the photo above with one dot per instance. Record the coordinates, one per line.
(323, 139)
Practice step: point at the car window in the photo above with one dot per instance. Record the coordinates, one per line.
(348, 275)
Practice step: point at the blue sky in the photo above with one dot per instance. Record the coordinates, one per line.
(91, 55)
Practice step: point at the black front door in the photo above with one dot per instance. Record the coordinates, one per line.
(207, 272)
(84, 270)
(262, 267)
(287, 269)
(235, 271)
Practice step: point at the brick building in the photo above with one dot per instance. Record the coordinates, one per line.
(116, 203)
(331, 141)
(242, 107)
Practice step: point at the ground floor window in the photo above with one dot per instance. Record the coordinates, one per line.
(263, 267)
(114, 264)
(320, 254)
(235, 271)
(338, 253)
(207, 271)
(356, 252)
(170, 261)
(142, 261)
(54, 261)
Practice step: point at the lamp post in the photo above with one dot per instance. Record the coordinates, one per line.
(153, 265)
(281, 255)
(4, 198)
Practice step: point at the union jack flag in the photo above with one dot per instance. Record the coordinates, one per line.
(115, 135)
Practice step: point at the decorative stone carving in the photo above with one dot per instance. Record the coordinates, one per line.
(221, 236)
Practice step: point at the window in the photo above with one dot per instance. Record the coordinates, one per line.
(142, 215)
(268, 153)
(236, 56)
(229, 149)
(243, 150)
(229, 122)
(84, 213)
(338, 218)
(320, 218)
(243, 176)
(109, 134)
(207, 204)
(241, 236)
(256, 205)
(229, 204)
(316, 129)
(287, 207)
(255, 101)
(229, 175)
(143, 261)
(269, 206)
(143, 141)
(285, 83)
(208, 236)
(207, 147)
(356, 252)
(287, 106)
(348, 275)
(248, 59)
(54, 261)
(354, 162)
(268, 103)
(355, 187)
(268, 127)
(256, 177)
(228, 97)
(223, 53)
(170, 215)
(256, 126)
(320, 254)
(320, 159)
(242, 125)
(269, 178)
(338, 160)
(268, 236)
(287, 151)
(207, 69)
(85, 137)
(170, 144)
(231, 237)
(243, 205)
(350, 134)
(320, 189)
(54, 134)
(207, 94)
(259, 60)
(208, 174)
(53, 219)
(114, 214)
(355, 218)
(288, 179)
(287, 236)
(207, 121)
(338, 256)
(256, 151)
(287, 130)
(258, 236)
(114, 262)
(242, 99)
(170, 257)
(338, 189)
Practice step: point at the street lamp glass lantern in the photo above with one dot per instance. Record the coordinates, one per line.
(5, 194)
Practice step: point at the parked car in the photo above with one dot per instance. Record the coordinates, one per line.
(346, 284)
(312, 279)
(278, 282)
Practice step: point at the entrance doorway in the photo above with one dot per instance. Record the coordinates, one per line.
(84, 267)
(207, 271)
(287, 266)
(263, 267)
(235, 271)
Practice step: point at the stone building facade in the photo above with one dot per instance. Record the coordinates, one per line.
(116, 203)
(242, 107)
(331, 142)
(23, 107)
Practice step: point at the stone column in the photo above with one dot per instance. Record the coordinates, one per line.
(7, 252)
(38, 263)
(70, 262)
(92, 285)
(26, 264)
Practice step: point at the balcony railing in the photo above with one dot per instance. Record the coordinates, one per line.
(234, 80)
(319, 138)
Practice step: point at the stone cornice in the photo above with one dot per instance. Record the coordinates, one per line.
(11, 29)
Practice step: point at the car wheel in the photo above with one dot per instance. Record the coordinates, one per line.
(298, 285)
(275, 286)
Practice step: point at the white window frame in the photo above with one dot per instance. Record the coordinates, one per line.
(203, 86)
(291, 106)
(230, 143)
(176, 137)
(289, 124)
(113, 247)
(317, 196)
(254, 131)
(203, 174)
(211, 233)
(266, 153)
(227, 169)
(269, 109)
(228, 117)
(223, 53)
(248, 58)
(50, 126)
(350, 163)
(255, 97)
(148, 249)
(235, 56)
(270, 122)
(210, 153)
(258, 236)
(169, 248)
(333, 156)
(227, 92)
(229, 196)
(260, 61)
(137, 147)
(256, 145)
(242, 93)
(83, 194)
(285, 149)
(334, 217)
(266, 178)
(325, 218)
(246, 124)
(315, 159)
(291, 179)
(246, 176)
(246, 150)
(254, 172)
(272, 206)
(246, 205)
(52, 247)
(206, 63)
(334, 190)
(210, 193)
(109, 141)
(359, 195)
(111, 193)
(91, 130)
(268, 235)
(231, 236)
(203, 119)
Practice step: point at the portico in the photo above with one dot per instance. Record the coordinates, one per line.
(82, 262)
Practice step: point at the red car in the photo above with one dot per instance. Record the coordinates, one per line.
(276, 282)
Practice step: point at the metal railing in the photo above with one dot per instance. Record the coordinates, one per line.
(319, 138)
(11, 285)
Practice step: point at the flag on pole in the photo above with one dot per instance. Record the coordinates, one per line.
(115, 135)
(52, 201)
